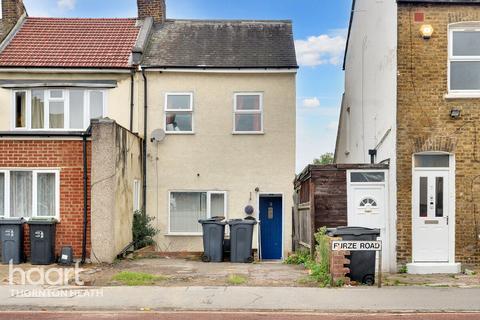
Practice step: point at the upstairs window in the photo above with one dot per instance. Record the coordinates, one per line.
(464, 59)
(179, 113)
(248, 113)
(57, 109)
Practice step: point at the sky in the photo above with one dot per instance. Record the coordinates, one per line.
(320, 29)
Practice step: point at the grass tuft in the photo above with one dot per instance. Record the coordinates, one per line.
(236, 280)
(137, 278)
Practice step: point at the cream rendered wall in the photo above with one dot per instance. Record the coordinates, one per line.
(215, 159)
(368, 113)
(118, 99)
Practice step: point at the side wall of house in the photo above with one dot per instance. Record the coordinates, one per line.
(116, 164)
(215, 159)
(424, 123)
(368, 111)
(67, 157)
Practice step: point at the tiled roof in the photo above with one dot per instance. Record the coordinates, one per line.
(72, 43)
(221, 44)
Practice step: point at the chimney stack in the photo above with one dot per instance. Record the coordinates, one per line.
(152, 8)
(12, 10)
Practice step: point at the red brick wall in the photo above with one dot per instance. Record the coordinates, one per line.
(66, 155)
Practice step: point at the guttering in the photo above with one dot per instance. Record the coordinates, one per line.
(144, 159)
(62, 70)
(214, 69)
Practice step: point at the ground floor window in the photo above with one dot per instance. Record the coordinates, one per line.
(187, 207)
(29, 193)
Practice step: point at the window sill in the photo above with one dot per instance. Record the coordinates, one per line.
(183, 234)
(179, 133)
(248, 133)
(448, 96)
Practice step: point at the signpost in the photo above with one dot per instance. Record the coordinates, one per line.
(339, 245)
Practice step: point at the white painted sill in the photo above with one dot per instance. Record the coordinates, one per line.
(177, 133)
(248, 133)
(448, 96)
(179, 234)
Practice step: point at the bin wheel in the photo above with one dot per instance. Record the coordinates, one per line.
(369, 280)
(249, 260)
(205, 258)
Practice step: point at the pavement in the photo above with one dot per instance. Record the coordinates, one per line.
(230, 316)
(245, 299)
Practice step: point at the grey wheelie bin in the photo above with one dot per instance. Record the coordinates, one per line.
(213, 234)
(42, 240)
(362, 263)
(11, 237)
(241, 235)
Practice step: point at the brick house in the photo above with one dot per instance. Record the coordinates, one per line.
(62, 80)
(61, 157)
(411, 97)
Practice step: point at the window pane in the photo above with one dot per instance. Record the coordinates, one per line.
(217, 205)
(186, 208)
(465, 75)
(423, 197)
(38, 111)
(56, 94)
(96, 104)
(178, 102)
(56, 115)
(76, 109)
(179, 121)
(466, 43)
(248, 122)
(46, 194)
(20, 110)
(246, 102)
(2, 194)
(432, 161)
(439, 197)
(367, 177)
(21, 194)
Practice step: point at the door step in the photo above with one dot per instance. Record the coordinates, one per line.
(433, 267)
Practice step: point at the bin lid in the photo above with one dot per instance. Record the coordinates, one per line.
(241, 221)
(356, 231)
(12, 221)
(212, 221)
(38, 220)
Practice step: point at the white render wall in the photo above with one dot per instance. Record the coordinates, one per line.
(368, 113)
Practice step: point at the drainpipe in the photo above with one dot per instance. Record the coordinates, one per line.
(85, 195)
(145, 118)
(132, 104)
(373, 154)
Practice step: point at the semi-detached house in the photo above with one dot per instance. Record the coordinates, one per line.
(80, 99)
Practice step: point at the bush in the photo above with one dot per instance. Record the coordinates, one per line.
(300, 257)
(320, 268)
(143, 231)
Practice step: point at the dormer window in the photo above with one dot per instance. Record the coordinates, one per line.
(464, 59)
(57, 109)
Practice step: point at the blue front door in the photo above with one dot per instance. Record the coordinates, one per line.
(271, 217)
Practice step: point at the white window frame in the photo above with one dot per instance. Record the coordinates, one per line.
(459, 27)
(259, 111)
(35, 173)
(209, 213)
(66, 105)
(136, 195)
(190, 110)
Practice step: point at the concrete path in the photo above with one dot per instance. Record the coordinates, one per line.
(391, 299)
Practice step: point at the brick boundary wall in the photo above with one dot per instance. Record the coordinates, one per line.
(67, 156)
(338, 262)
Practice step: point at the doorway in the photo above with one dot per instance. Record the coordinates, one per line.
(271, 227)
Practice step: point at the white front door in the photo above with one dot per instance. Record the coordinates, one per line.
(431, 216)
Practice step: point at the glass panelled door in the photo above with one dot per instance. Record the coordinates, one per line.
(430, 216)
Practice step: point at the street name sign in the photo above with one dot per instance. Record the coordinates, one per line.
(338, 245)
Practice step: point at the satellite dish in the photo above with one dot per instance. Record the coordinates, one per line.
(158, 135)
